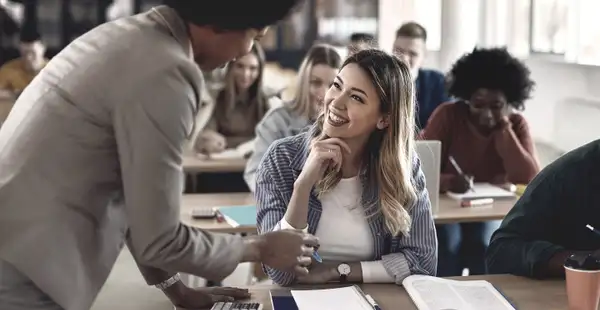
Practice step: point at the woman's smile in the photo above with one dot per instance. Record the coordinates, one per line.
(336, 120)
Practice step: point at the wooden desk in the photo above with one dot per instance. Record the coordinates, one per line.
(449, 210)
(193, 164)
(6, 105)
(522, 292)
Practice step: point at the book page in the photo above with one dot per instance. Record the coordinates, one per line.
(347, 298)
(430, 293)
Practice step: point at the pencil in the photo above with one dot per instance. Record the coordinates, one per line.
(455, 165)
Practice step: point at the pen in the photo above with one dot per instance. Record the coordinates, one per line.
(372, 302)
(317, 257)
(460, 172)
(455, 165)
(590, 227)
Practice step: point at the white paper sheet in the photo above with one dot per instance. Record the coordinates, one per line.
(430, 293)
(347, 298)
(483, 190)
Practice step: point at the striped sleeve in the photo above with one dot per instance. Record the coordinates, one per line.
(417, 252)
(271, 205)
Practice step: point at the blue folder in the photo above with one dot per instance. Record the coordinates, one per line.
(238, 216)
(282, 300)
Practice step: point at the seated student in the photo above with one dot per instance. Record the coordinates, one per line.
(16, 74)
(360, 41)
(239, 105)
(549, 222)
(354, 180)
(487, 139)
(410, 45)
(314, 78)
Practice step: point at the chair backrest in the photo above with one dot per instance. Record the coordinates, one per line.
(430, 153)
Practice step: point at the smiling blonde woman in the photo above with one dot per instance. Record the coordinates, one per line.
(354, 180)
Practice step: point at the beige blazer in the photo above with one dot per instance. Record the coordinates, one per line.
(90, 158)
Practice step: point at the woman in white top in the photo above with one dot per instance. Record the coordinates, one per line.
(354, 180)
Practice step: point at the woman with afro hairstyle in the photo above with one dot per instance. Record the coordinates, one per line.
(489, 141)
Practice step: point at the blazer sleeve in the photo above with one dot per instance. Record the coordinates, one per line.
(417, 252)
(151, 130)
(271, 206)
(270, 128)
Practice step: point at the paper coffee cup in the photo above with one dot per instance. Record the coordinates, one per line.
(582, 273)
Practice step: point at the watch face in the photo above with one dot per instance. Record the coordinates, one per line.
(343, 269)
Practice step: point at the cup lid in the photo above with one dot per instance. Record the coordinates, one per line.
(582, 261)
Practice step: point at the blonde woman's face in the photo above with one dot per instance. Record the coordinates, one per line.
(320, 78)
(245, 71)
(352, 106)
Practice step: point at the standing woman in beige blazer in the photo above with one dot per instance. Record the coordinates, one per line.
(91, 154)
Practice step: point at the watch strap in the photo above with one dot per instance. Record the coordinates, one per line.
(343, 278)
(168, 282)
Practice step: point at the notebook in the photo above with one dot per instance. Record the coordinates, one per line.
(347, 298)
(238, 216)
(241, 151)
(431, 293)
(483, 190)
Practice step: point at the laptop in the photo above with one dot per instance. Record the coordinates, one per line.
(430, 153)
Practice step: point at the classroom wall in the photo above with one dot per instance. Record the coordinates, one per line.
(564, 112)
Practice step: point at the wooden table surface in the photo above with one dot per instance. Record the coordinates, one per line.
(449, 211)
(523, 293)
(195, 164)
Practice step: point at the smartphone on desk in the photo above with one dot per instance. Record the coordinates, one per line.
(204, 213)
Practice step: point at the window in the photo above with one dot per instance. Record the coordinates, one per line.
(429, 14)
(338, 19)
(586, 46)
(393, 13)
(550, 25)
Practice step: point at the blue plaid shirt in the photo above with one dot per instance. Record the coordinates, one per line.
(401, 256)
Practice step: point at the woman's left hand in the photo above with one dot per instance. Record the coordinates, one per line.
(320, 273)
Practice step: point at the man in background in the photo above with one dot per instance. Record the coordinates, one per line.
(16, 74)
(359, 41)
(410, 45)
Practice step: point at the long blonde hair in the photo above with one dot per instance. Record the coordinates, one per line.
(388, 155)
(318, 54)
(227, 98)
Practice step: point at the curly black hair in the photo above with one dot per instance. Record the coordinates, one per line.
(491, 68)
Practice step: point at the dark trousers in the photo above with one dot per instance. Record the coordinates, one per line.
(463, 246)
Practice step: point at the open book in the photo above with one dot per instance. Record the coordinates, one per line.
(483, 190)
(431, 293)
(241, 151)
